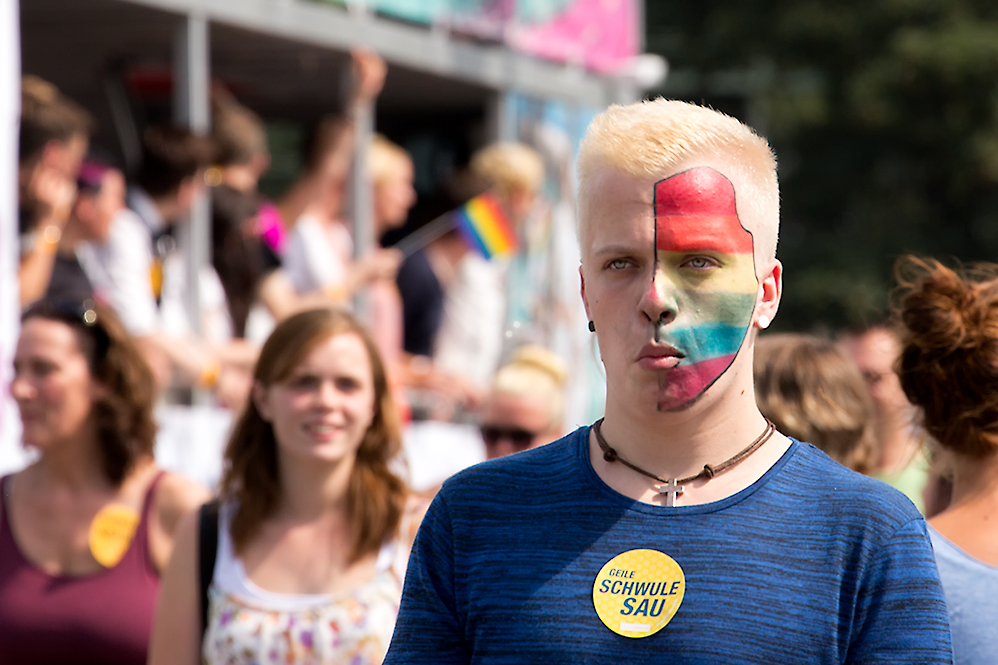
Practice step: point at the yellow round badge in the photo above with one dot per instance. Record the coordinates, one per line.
(638, 592)
(111, 533)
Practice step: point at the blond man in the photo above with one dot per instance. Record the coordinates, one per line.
(681, 527)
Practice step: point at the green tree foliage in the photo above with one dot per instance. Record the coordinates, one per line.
(884, 114)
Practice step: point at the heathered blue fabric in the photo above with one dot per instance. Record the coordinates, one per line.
(811, 564)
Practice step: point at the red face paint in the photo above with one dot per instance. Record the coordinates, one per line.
(695, 210)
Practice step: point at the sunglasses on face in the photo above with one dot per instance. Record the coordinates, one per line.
(519, 437)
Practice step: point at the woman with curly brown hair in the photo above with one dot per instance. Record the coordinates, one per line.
(949, 369)
(309, 559)
(86, 529)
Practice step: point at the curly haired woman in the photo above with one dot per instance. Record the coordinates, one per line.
(949, 368)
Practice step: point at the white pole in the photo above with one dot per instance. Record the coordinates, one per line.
(191, 108)
(11, 454)
(362, 204)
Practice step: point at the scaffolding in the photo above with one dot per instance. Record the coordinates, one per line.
(288, 60)
(293, 53)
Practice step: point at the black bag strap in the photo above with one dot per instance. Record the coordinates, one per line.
(207, 551)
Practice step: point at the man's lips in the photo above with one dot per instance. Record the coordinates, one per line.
(659, 356)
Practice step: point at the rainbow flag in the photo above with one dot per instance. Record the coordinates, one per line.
(485, 227)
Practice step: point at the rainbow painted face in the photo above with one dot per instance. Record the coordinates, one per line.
(705, 266)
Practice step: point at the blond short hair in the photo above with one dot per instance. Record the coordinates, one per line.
(509, 167)
(385, 159)
(654, 139)
(536, 373)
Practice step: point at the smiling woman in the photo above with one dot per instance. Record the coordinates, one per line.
(324, 407)
(85, 530)
(309, 562)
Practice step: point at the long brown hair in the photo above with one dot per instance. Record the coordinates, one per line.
(126, 427)
(949, 357)
(376, 495)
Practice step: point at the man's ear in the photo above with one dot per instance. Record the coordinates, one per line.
(582, 291)
(770, 292)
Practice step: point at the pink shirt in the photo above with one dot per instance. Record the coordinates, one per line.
(105, 617)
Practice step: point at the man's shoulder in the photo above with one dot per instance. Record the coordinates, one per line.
(529, 471)
(823, 484)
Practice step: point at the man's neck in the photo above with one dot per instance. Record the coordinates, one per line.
(678, 444)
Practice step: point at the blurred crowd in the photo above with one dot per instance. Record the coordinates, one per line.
(107, 333)
(437, 311)
(109, 336)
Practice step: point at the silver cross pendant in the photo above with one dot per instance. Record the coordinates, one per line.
(671, 490)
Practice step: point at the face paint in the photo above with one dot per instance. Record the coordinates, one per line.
(705, 269)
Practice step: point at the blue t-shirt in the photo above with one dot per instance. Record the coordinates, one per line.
(811, 564)
(971, 588)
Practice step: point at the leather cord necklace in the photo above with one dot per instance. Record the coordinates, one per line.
(673, 487)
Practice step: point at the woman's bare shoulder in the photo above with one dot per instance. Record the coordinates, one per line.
(177, 496)
(415, 510)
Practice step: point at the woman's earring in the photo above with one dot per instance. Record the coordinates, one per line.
(592, 327)
(763, 321)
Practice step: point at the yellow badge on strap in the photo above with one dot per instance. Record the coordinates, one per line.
(111, 533)
(638, 592)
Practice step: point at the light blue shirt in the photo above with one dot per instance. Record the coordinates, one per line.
(971, 589)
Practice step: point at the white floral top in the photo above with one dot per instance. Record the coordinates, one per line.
(251, 626)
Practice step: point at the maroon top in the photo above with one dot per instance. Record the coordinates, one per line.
(104, 617)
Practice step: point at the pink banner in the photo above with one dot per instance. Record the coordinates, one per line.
(597, 34)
